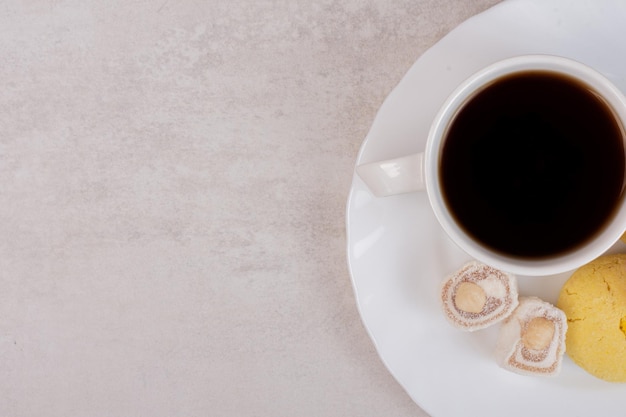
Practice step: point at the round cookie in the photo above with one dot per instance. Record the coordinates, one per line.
(594, 301)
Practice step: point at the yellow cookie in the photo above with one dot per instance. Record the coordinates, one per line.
(594, 301)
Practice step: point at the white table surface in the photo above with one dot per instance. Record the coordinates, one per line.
(173, 180)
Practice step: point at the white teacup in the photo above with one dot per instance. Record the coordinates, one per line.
(421, 171)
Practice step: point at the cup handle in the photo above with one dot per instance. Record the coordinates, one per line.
(394, 176)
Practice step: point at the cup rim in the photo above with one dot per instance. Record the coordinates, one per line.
(559, 263)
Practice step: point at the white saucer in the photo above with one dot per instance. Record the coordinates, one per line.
(398, 254)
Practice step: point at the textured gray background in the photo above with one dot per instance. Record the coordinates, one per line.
(173, 179)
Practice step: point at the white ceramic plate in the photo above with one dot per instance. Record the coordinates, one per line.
(398, 254)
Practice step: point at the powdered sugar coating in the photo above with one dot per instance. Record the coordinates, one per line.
(500, 289)
(512, 354)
